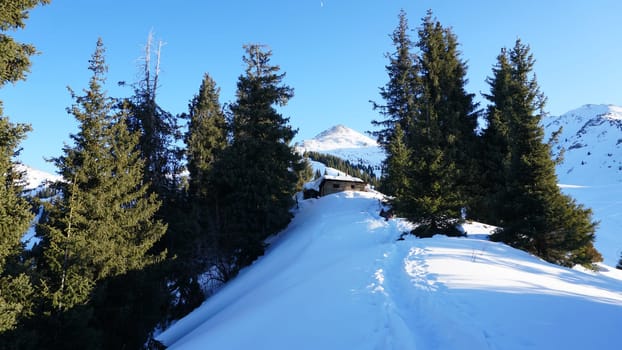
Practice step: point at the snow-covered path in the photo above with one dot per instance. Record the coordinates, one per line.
(338, 278)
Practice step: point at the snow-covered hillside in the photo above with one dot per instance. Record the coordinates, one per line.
(591, 172)
(592, 139)
(347, 144)
(36, 178)
(339, 278)
(592, 168)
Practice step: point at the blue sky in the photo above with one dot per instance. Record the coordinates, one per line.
(332, 51)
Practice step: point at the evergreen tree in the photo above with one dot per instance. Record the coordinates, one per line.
(193, 240)
(206, 137)
(401, 91)
(158, 130)
(495, 143)
(536, 216)
(401, 96)
(102, 226)
(257, 174)
(442, 137)
(15, 56)
(398, 165)
(619, 265)
(16, 290)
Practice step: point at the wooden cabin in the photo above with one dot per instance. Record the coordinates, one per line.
(329, 184)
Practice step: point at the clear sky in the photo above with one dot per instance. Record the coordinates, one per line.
(332, 51)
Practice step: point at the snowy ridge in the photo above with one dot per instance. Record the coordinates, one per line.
(36, 178)
(338, 137)
(339, 278)
(592, 139)
(347, 144)
(592, 168)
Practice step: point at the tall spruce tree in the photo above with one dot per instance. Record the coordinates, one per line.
(494, 163)
(400, 92)
(535, 215)
(257, 174)
(442, 140)
(194, 242)
(102, 226)
(206, 137)
(401, 96)
(16, 290)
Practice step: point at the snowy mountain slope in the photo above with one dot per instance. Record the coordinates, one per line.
(592, 139)
(338, 137)
(338, 278)
(36, 178)
(347, 144)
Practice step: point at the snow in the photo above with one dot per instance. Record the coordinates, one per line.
(347, 144)
(592, 168)
(591, 171)
(339, 278)
(338, 137)
(36, 178)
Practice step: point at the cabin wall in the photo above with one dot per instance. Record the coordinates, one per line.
(334, 186)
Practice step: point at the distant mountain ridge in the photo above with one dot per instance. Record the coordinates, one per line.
(338, 137)
(592, 142)
(36, 178)
(347, 144)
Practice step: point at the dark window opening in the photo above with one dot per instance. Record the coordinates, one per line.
(335, 185)
(352, 186)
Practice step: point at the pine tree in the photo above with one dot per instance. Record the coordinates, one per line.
(401, 91)
(495, 145)
(257, 174)
(194, 239)
(15, 56)
(398, 165)
(400, 95)
(442, 141)
(537, 217)
(206, 137)
(16, 290)
(102, 226)
(158, 130)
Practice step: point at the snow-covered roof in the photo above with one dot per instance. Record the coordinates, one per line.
(315, 184)
(346, 178)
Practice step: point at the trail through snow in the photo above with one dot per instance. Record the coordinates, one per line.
(339, 278)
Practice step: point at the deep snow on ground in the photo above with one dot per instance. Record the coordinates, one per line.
(339, 278)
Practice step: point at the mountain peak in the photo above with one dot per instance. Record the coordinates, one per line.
(338, 137)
